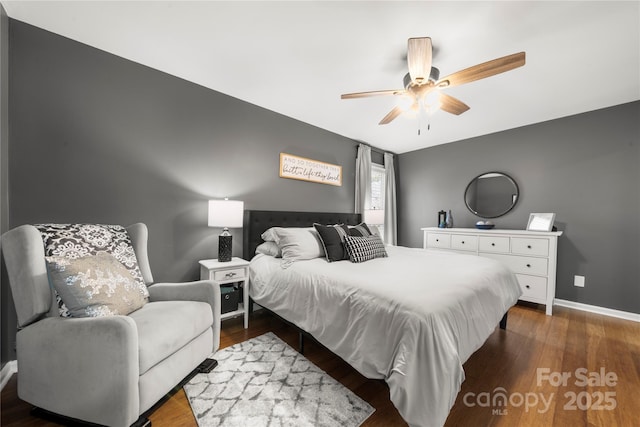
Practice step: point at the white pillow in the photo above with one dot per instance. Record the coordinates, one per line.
(269, 235)
(297, 243)
(269, 248)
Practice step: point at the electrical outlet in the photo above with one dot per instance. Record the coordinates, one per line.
(578, 281)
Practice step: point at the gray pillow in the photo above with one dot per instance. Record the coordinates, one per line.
(95, 285)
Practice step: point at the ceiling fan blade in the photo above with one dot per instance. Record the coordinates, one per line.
(391, 116)
(372, 93)
(452, 105)
(484, 70)
(419, 53)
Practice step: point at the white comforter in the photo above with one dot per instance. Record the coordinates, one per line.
(412, 319)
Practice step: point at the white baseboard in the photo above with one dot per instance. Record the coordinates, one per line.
(598, 310)
(10, 368)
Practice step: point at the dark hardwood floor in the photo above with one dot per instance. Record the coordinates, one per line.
(515, 359)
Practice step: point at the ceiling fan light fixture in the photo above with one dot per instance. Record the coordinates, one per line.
(434, 75)
(432, 102)
(405, 102)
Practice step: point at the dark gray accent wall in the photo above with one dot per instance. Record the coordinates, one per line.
(96, 138)
(585, 168)
(7, 312)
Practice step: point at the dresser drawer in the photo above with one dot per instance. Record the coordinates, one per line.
(530, 255)
(534, 288)
(464, 242)
(236, 273)
(522, 264)
(494, 244)
(437, 240)
(529, 246)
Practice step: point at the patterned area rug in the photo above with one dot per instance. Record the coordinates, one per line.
(264, 382)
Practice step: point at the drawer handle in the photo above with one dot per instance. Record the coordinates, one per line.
(233, 273)
(527, 286)
(437, 240)
(463, 242)
(493, 244)
(528, 246)
(528, 265)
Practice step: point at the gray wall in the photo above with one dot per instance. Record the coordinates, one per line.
(7, 312)
(96, 138)
(585, 168)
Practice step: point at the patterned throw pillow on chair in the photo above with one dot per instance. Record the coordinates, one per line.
(95, 285)
(362, 249)
(73, 241)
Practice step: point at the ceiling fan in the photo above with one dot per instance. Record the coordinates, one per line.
(422, 83)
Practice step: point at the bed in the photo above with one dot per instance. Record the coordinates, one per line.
(412, 318)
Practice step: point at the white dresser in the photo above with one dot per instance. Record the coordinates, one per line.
(531, 255)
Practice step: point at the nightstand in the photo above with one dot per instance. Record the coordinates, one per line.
(234, 271)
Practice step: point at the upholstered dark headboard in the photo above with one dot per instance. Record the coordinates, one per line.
(257, 222)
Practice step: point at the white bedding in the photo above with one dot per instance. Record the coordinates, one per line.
(411, 319)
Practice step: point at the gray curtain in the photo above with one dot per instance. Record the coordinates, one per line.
(363, 178)
(390, 218)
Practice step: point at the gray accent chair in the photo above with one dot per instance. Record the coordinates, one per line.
(105, 370)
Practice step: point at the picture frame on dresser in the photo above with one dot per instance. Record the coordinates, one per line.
(541, 221)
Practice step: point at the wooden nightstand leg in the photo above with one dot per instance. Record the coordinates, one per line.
(245, 297)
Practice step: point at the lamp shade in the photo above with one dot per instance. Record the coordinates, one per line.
(374, 216)
(226, 213)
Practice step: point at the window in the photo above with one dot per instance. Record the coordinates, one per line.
(377, 187)
(377, 192)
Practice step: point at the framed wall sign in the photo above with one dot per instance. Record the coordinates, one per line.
(294, 167)
(541, 221)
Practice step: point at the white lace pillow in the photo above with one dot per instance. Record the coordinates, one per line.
(95, 285)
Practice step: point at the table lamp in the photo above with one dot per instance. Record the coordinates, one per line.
(226, 214)
(374, 216)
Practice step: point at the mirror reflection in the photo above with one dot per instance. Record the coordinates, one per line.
(491, 195)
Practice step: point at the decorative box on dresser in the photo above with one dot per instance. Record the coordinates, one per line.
(531, 255)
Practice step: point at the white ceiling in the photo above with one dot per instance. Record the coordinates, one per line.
(296, 58)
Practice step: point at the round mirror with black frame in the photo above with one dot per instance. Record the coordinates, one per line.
(491, 194)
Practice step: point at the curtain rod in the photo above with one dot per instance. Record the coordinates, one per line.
(377, 150)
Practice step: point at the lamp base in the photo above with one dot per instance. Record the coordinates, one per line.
(224, 248)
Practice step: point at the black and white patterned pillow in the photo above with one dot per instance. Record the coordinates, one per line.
(362, 249)
(74, 241)
(332, 237)
(360, 230)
